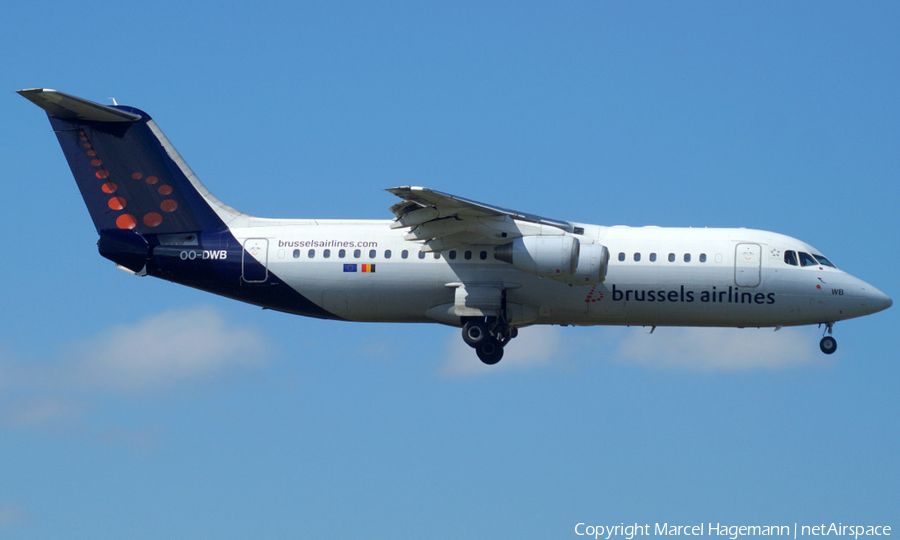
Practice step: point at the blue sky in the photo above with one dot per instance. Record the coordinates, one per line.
(134, 408)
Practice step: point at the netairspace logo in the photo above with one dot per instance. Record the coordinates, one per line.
(732, 532)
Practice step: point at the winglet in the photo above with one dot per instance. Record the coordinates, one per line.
(69, 107)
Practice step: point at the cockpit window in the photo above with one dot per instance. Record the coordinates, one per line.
(823, 261)
(807, 260)
(790, 257)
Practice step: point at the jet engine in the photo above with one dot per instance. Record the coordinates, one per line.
(593, 261)
(557, 257)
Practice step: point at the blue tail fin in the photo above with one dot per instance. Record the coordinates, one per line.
(130, 176)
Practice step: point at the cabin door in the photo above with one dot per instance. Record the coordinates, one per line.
(255, 260)
(747, 260)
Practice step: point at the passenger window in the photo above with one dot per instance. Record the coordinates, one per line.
(621, 256)
(342, 253)
(437, 255)
(807, 260)
(387, 254)
(357, 253)
(687, 257)
(637, 257)
(312, 253)
(296, 253)
(671, 257)
(421, 254)
(326, 253)
(483, 255)
(653, 257)
(468, 255)
(372, 253)
(404, 254)
(703, 257)
(453, 255)
(790, 257)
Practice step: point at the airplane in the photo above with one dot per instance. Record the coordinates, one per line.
(443, 259)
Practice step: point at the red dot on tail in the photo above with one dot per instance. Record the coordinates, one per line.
(117, 203)
(126, 221)
(152, 219)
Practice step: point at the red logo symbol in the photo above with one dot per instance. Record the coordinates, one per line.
(593, 295)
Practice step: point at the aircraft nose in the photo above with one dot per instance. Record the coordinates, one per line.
(863, 298)
(875, 300)
(880, 301)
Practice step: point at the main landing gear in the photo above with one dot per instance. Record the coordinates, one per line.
(488, 336)
(828, 343)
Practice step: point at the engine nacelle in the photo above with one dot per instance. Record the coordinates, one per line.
(546, 256)
(562, 258)
(593, 261)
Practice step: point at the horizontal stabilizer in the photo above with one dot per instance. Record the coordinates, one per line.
(69, 107)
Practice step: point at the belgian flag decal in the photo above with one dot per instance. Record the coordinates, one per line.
(364, 268)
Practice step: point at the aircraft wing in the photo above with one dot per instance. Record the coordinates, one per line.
(443, 221)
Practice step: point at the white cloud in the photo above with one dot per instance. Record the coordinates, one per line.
(156, 352)
(41, 410)
(717, 349)
(163, 349)
(12, 514)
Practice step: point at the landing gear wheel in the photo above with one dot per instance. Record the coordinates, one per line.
(828, 345)
(475, 333)
(490, 352)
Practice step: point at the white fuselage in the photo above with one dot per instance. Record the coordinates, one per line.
(656, 276)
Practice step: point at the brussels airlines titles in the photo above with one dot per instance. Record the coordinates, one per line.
(732, 296)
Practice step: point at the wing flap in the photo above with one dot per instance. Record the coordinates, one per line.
(411, 214)
(443, 221)
(449, 205)
(436, 228)
(453, 241)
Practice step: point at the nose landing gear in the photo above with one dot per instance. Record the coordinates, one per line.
(828, 344)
